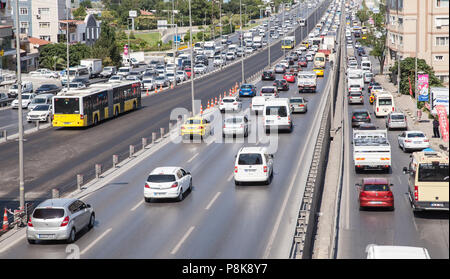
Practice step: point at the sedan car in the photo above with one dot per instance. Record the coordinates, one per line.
(413, 140)
(319, 71)
(269, 92)
(302, 62)
(218, 61)
(279, 69)
(281, 84)
(59, 219)
(235, 125)
(355, 98)
(40, 113)
(268, 75)
(115, 78)
(230, 104)
(230, 56)
(298, 104)
(247, 90)
(46, 73)
(289, 77)
(396, 120)
(27, 98)
(375, 192)
(148, 83)
(309, 57)
(167, 182)
(199, 69)
(48, 88)
(284, 63)
(248, 50)
(161, 81)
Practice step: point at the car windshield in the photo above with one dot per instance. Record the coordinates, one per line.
(276, 110)
(397, 116)
(73, 85)
(298, 100)
(321, 59)
(147, 81)
(161, 178)
(159, 78)
(48, 213)
(39, 100)
(384, 102)
(246, 86)
(361, 114)
(250, 159)
(268, 90)
(115, 77)
(26, 97)
(124, 70)
(194, 121)
(376, 187)
(228, 100)
(434, 172)
(41, 108)
(416, 135)
(234, 120)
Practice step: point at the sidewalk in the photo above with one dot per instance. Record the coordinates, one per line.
(407, 105)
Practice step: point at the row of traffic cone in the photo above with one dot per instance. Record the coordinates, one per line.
(215, 102)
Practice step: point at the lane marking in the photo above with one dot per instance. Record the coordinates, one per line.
(212, 201)
(230, 177)
(193, 157)
(137, 205)
(186, 235)
(96, 240)
(9, 245)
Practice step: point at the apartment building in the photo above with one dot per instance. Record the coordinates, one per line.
(85, 31)
(46, 15)
(24, 16)
(7, 46)
(422, 27)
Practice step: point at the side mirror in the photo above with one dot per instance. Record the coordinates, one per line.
(88, 205)
(357, 185)
(405, 170)
(391, 184)
(188, 173)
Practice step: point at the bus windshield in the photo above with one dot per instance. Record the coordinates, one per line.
(67, 105)
(433, 173)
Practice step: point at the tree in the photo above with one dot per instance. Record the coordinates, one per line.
(53, 62)
(107, 44)
(79, 13)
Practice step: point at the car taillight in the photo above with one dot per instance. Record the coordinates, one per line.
(363, 194)
(265, 168)
(235, 103)
(182, 128)
(221, 103)
(224, 126)
(353, 117)
(147, 186)
(174, 185)
(389, 194)
(378, 109)
(393, 108)
(29, 223)
(201, 127)
(65, 221)
(407, 140)
(235, 169)
(426, 140)
(416, 192)
(368, 117)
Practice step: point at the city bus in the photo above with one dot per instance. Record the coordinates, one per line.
(82, 108)
(288, 42)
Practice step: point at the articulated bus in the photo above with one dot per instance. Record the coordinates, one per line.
(81, 108)
(288, 42)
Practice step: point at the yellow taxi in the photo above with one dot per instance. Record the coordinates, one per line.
(306, 44)
(364, 37)
(319, 71)
(196, 126)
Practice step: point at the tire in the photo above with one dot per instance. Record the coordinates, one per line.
(71, 238)
(31, 241)
(190, 185)
(116, 113)
(95, 120)
(147, 200)
(237, 183)
(180, 196)
(91, 221)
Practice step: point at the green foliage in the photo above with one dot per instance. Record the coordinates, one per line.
(79, 13)
(77, 52)
(86, 4)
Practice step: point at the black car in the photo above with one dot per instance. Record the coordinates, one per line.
(48, 89)
(290, 60)
(281, 84)
(360, 116)
(268, 75)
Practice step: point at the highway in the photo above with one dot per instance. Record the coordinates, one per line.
(216, 220)
(399, 227)
(54, 157)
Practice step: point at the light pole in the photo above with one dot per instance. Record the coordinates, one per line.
(242, 37)
(268, 42)
(175, 38)
(192, 58)
(67, 46)
(19, 96)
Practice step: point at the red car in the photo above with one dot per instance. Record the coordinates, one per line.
(188, 72)
(289, 77)
(302, 62)
(375, 192)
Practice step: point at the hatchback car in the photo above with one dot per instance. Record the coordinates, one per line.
(289, 77)
(279, 69)
(235, 125)
(375, 192)
(59, 219)
(319, 71)
(360, 116)
(396, 120)
(253, 164)
(230, 104)
(413, 140)
(298, 104)
(281, 84)
(27, 98)
(355, 98)
(167, 182)
(247, 90)
(196, 127)
(269, 92)
(268, 75)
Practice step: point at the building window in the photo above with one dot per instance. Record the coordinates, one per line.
(24, 25)
(441, 21)
(47, 38)
(442, 3)
(44, 11)
(400, 40)
(44, 25)
(400, 22)
(84, 37)
(443, 78)
(441, 41)
(23, 11)
(439, 58)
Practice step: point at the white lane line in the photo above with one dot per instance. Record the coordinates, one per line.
(230, 177)
(9, 245)
(95, 241)
(137, 205)
(192, 158)
(186, 235)
(212, 201)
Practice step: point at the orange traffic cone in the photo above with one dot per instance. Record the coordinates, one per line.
(171, 86)
(208, 107)
(212, 103)
(230, 92)
(147, 91)
(156, 90)
(5, 221)
(201, 109)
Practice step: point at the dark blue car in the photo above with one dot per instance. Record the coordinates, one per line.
(247, 90)
(361, 51)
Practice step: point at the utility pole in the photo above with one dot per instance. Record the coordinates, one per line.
(175, 39)
(67, 46)
(268, 42)
(192, 58)
(242, 37)
(19, 92)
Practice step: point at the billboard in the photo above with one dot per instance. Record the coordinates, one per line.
(439, 96)
(443, 121)
(422, 87)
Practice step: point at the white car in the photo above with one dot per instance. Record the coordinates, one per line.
(218, 61)
(268, 92)
(284, 63)
(230, 56)
(40, 113)
(27, 98)
(167, 182)
(230, 104)
(253, 164)
(44, 73)
(116, 78)
(235, 125)
(181, 76)
(309, 57)
(248, 50)
(302, 48)
(257, 104)
(413, 140)
(148, 84)
(315, 48)
(199, 69)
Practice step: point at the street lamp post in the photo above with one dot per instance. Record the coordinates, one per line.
(192, 58)
(242, 37)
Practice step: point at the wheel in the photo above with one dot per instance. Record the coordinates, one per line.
(180, 196)
(147, 199)
(71, 238)
(116, 113)
(31, 241)
(190, 185)
(134, 105)
(95, 120)
(237, 183)
(91, 221)
(48, 119)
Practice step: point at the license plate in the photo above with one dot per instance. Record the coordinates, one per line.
(159, 194)
(376, 202)
(46, 236)
(269, 121)
(250, 170)
(67, 123)
(417, 142)
(437, 205)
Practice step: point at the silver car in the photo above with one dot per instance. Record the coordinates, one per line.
(396, 120)
(298, 104)
(235, 125)
(59, 219)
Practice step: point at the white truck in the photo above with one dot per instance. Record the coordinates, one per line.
(355, 76)
(307, 81)
(133, 59)
(94, 66)
(371, 150)
(209, 49)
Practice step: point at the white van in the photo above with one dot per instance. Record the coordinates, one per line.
(27, 87)
(42, 99)
(366, 65)
(384, 104)
(277, 114)
(253, 164)
(257, 104)
(396, 252)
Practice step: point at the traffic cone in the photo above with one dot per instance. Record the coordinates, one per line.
(156, 90)
(201, 109)
(147, 91)
(212, 103)
(171, 86)
(5, 221)
(208, 107)
(230, 92)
